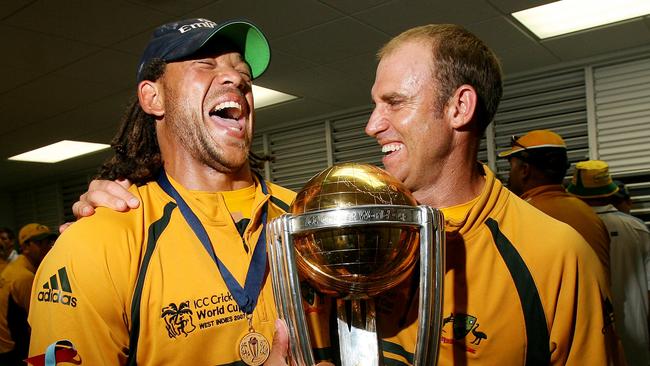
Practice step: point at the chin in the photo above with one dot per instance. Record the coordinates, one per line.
(233, 165)
(395, 172)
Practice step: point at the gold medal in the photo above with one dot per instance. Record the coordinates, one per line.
(254, 348)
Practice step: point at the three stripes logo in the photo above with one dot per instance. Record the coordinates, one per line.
(58, 290)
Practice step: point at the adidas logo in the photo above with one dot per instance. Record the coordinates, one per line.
(52, 293)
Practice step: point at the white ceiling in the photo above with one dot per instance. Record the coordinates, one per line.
(68, 66)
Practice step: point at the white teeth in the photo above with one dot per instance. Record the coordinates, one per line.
(391, 148)
(229, 104)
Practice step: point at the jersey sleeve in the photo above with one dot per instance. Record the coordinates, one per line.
(81, 290)
(582, 331)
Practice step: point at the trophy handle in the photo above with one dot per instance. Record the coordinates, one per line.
(286, 290)
(432, 254)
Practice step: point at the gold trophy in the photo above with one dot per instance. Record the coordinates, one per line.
(353, 232)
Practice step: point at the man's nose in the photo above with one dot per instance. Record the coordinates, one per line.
(230, 76)
(376, 123)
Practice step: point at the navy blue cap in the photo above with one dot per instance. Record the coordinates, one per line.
(622, 192)
(177, 40)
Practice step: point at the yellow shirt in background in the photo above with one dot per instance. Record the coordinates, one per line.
(15, 290)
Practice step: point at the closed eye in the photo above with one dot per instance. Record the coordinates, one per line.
(206, 61)
(245, 72)
(393, 99)
(246, 75)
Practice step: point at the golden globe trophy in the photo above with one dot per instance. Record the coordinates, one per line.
(353, 232)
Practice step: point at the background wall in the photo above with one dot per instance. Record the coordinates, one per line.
(601, 106)
(7, 211)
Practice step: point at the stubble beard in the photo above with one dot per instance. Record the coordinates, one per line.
(195, 138)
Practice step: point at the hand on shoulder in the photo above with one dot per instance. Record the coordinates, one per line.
(105, 193)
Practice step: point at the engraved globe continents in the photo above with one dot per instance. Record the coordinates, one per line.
(359, 256)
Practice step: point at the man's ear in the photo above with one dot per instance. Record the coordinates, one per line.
(151, 98)
(461, 107)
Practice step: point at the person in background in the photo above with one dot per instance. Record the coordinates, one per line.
(622, 199)
(538, 164)
(8, 247)
(15, 292)
(629, 257)
(182, 279)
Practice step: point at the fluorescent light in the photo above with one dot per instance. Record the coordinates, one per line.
(59, 151)
(265, 97)
(568, 16)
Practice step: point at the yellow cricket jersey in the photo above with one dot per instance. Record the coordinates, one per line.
(15, 290)
(520, 289)
(91, 288)
(554, 201)
(3, 264)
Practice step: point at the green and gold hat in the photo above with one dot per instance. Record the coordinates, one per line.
(591, 179)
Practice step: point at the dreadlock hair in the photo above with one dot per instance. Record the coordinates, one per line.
(137, 154)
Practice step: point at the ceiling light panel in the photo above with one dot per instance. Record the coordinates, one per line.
(265, 97)
(567, 16)
(59, 151)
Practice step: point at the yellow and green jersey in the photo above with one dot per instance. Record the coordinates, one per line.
(141, 282)
(554, 201)
(520, 288)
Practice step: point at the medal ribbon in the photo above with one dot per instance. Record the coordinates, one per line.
(246, 297)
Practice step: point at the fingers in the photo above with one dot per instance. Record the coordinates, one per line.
(280, 346)
(124, 193)
(105, 193)
(63, 227)
(111, 194)
(81, 208)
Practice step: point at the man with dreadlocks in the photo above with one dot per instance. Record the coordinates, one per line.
(181, 279)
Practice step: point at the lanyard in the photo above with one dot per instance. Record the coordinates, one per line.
(245, 297)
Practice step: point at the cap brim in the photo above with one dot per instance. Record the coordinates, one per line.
(43, 236)
(507, 153)
(517, 149)
(251, 42)
(600, 192)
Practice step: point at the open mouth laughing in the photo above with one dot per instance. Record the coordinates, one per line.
(230, 115)
(391, 148)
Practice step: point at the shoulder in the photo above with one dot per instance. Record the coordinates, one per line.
(632, 221)
(551, 249)
(17, 272)
(280, 196)
(107, 233)
(110, 222)
(622, 218)
(635, 225)
(531, 228)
